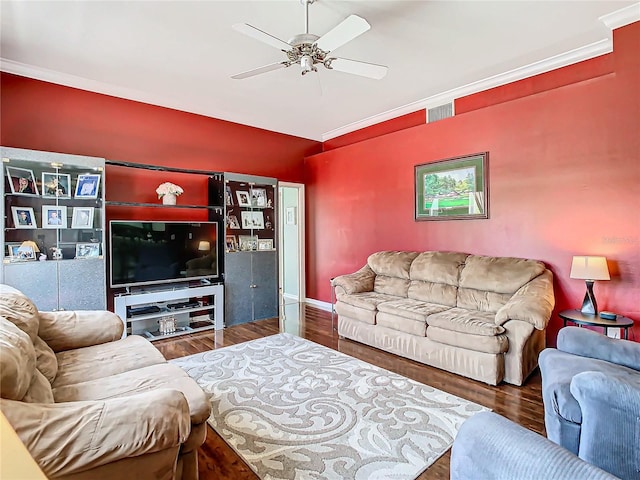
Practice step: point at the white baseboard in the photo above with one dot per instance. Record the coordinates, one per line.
(318, 304)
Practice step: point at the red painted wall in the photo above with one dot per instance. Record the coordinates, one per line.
(564, 180)
(44, 116)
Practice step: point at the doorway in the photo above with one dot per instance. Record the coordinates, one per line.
(291, 243)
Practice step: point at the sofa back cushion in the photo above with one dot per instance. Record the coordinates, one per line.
(392, 272)
(17, 361)
(46, 360)
(435, 276)
(487, 283)
(19, 310)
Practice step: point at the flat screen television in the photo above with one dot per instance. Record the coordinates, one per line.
(147, 253)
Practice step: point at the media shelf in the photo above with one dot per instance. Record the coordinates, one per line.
(194, 308)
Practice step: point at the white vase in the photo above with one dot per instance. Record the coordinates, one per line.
(169, 199)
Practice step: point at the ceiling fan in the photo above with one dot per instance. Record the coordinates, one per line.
(309, 50)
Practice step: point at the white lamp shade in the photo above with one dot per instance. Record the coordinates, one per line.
(204, 246)
(28, 246)
(590, 268)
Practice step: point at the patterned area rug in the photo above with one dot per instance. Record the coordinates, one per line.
(294, 410)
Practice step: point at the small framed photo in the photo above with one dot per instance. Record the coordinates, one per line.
(248, 242)
(253, 220)
(87, 186)
(19, 252)
(22, 181)
(12, 252)
(265, 244)
(258, 197)
(231, 243)
(87, 250)
(54, 216)
(23, 217)
(228, 197)
(56, 185)
(233, 222)
(82, 217)
(244, 200)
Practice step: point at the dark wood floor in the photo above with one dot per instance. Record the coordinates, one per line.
(218, 461)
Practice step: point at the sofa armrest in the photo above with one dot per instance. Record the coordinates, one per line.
(587, 343)
(67, 438)
(66, 330)
(532, 303)
(610, 429)
(357, 282)
(491, 446)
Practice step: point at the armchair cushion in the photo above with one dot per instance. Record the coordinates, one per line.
(490, 446)
(66, 330)
(46, 360)
(19, 310)
(586, 343)
(17, 361)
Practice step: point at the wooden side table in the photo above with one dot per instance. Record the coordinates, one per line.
(580, 319)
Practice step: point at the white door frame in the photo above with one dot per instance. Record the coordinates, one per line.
(300, 219)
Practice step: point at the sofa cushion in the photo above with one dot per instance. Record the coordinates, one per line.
(402, 324)
(392, 272)
(409, 308)
(465, 321)
(480, 343)
(438, 267)
(356, 313)
(39, 390)
(100, 361)
(17, 361)
(19, 310)
(46, 360)
(366, 300)
(433, 292)
(140, 380)
(481, 300)
(498, 274)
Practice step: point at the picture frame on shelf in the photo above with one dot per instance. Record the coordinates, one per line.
(22, 181)
(247, 242)
(87, 185)
(265, 244)
(23, 217)
(87, 250)
(82, 217)
(56, 185)
(244, 199)
(452, 189)
(233, 222)
(54, 216)
(231, 243)
(228, 196)
(20, 252)
(258, 197)
(252, 220)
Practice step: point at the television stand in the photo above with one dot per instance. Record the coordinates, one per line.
(188, 309)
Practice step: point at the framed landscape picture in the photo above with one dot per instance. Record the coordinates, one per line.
(452, 189)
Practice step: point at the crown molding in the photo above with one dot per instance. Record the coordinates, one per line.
(562, 60)
(622, 17)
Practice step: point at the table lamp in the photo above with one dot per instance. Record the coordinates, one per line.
(204, 246)
(589, 269)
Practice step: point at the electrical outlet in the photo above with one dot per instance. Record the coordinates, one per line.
(613, 332)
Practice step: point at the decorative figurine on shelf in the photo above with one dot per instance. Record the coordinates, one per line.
(269, 203)
(42, 257)
(267, 223)
(56, 253)
(168, 192)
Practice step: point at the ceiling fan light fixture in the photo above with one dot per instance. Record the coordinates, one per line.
(306, 62)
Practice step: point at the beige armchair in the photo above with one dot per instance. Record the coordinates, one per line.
(90, 405)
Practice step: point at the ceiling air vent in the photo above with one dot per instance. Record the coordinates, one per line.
(438, 113)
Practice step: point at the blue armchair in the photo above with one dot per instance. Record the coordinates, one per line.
(489, 446)
(591, 395)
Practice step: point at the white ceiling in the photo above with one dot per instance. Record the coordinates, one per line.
(181, 54)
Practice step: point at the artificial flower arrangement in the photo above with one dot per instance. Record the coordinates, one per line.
(168, 188)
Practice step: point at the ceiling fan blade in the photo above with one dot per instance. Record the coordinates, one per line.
(259, 70)
(264, 37)
(355, 67)
(344, 32)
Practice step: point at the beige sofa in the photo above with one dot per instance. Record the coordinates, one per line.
(477, 316)
(89, 405)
